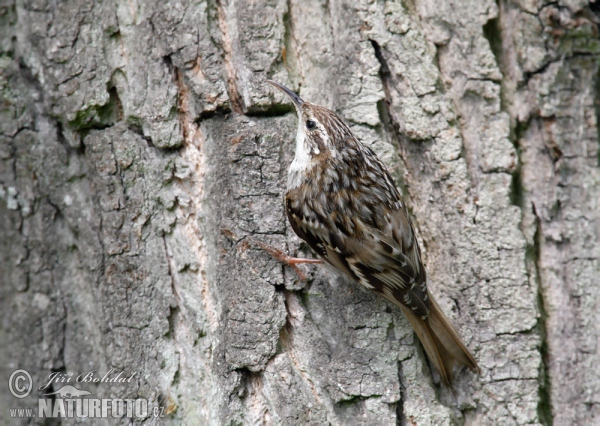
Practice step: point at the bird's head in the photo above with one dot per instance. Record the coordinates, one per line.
(320, 131)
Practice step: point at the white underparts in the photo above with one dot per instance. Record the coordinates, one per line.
(302, 159)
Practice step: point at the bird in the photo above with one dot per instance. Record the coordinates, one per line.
(341, 200)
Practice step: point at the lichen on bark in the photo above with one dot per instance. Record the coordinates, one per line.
(141, 155)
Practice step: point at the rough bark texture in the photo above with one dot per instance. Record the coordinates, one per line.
(141, 152)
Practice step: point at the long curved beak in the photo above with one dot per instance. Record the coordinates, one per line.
(297, 100)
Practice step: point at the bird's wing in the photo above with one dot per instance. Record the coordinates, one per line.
(391, 266)
(384, 259)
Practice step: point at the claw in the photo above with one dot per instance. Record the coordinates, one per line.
(284, 258)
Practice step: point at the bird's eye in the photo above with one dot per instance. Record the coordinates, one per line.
(310, 124)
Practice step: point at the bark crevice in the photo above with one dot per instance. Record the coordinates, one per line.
(140, 150)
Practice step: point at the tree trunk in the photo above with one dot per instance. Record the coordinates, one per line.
(142, 155)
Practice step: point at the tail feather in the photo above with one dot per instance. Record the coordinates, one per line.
(442, 343)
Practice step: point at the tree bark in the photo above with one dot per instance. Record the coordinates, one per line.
(142, 155)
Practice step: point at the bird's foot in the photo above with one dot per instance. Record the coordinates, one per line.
(284, 258)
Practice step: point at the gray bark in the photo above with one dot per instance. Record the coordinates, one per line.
(141, 151)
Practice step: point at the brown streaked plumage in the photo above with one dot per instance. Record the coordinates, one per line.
(342, 201)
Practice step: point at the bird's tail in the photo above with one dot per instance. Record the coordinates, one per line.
(442, 343)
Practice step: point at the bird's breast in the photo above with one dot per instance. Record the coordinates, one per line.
(302, 163)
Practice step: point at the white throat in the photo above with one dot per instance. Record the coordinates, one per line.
(302, 159)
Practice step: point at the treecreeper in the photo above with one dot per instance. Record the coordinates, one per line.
(342, 201)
